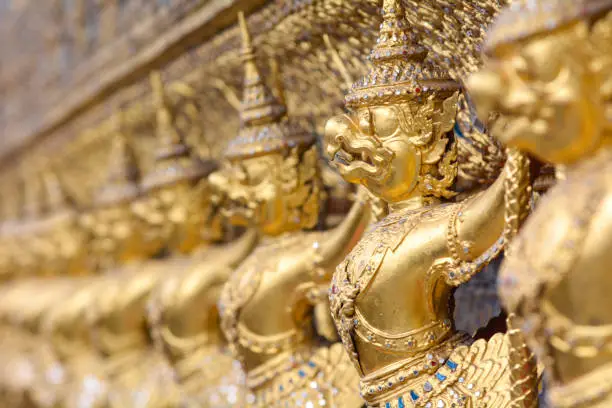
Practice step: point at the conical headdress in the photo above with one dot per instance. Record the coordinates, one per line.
(400, 68)
(171, 141)
(525, 18)
(174, 161)
(264, 126)
(123, 174)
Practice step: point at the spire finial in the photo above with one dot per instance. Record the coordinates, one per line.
(174, 159)
(167, 133)
(400, 68)
(393, 7)
(259, 106)
(264, 126)
(247, 43)
(123, 177)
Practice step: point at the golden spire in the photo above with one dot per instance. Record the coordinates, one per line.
(264, 127)
(259, 106)
(400, 68)
(174, 159)
(123, 173)
(171, 141)
(525, 18)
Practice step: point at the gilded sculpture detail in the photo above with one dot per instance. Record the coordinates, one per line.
(398, 142)
(269, 304)
(434, 234)
(549, 77)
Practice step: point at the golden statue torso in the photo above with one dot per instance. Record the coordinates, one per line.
(183, 314)
(550, 275)
(556, 277)
(393, 309)
(387, 265)
(266, 284)
(275, 317)
(127, 363)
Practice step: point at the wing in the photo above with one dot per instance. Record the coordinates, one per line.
(453, 30)
(480, 156)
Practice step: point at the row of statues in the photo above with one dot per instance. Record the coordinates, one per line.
(229, 283)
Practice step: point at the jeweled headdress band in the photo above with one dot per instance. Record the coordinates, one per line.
(400, 68)
(526, 18)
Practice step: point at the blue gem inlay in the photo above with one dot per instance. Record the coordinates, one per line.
(301, 373)
(400, 402)
(440, 377)
(388, 405)
(451, 364)
(458, 131)
(311, 364)
(281, 388)
(414, 395)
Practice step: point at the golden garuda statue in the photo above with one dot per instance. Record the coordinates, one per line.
(181, 309)
(75, 371)
(176, 205)
(274, 310)
(391, 298)
(550, 76)
(114, 228)
(133, 369)
(54, 223)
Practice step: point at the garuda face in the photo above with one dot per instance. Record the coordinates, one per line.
(276, 193)
(180, 215)
(388, 148)
(548, 93)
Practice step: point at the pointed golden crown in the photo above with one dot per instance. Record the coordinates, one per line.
(174, 161)
(400, 68)
(264, 126)
(171, 141)
(526, 18)
(123, 173)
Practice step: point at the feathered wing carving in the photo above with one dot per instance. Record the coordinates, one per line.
(453, 30)
(340, 372)
(481, 157)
